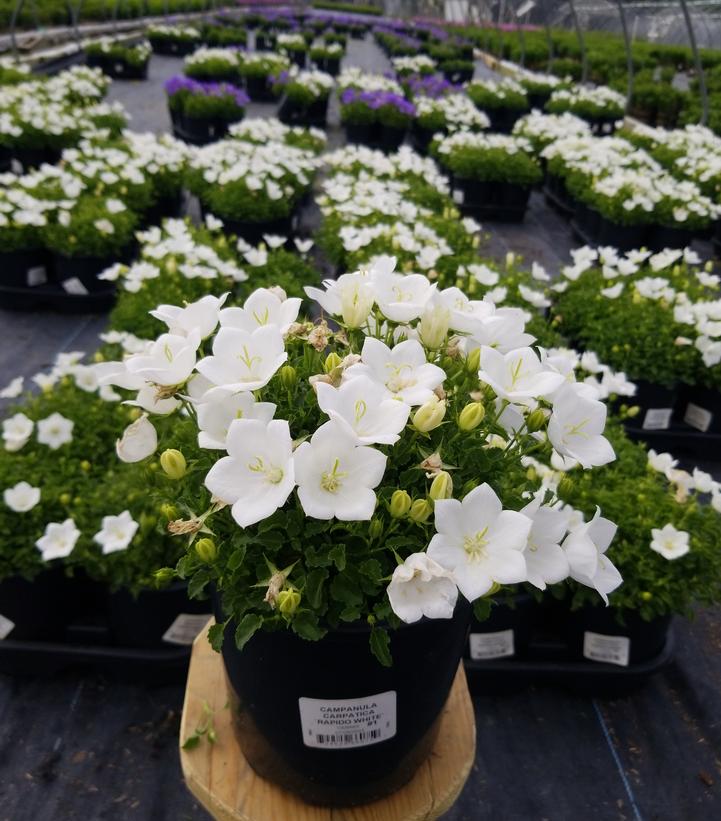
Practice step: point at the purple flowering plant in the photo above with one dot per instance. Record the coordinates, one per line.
(200, 100)
(359, 107)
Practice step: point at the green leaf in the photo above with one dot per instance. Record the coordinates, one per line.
(236, 558)
(380, 643)
(247, 628)
(344, 589)
(305, 624)
(215, 635)
(313, 590)
(191, 742)
(372, 569)
(197, 584)
(482, 609)
(337, 554)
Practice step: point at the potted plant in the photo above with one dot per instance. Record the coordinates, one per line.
(376, 118)
(443, 115)
(305, 97)
(224, 36)
(214, 65)
(176, 40)
(120, 61)
(257, 69)
(294, 47)
(254, 189)
(601, 106)
(420, 65)
(202, 112)
(346, 553)
(504, 101)
(327, 57)
(492, 173)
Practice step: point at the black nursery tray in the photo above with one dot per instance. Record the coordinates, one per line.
(556, 202)
(548, 663)
(679, 439)
(55, 298)
(37, 658)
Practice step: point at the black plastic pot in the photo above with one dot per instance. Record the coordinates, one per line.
(38, 608)
(421, 138)
(264, 42)
(602, 126)
(558, 194)
(313, 115)
(297, 57)
(659, 237)
(23, 269)
(142, 621)
(331, 65)
(86, 269)
(252, 232)
(700, 408)
(118, 69)
(276, 672)
(390, 139)
(501, 201)
(363, 133)
(538, 99)
(506, 632)
(623, 237)
(35, 157)
(203, 130)
(457, 75)
(168, 206)
(259, 89)
(587, 219)
(174, 48)
(646, 639)
(503, 119)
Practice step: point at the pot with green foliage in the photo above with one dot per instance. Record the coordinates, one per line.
(177, 41)
(504, 101)
(357, 497)
(202, 112)
(121, 62)
(492, 174)
(327, 57)
(257, 70)
(305, 96)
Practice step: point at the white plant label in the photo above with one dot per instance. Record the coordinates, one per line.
(657, 419)
(458, 196)
(37, 276)
(333, 724)
(185, 628)
(74, 286)
(6, 626)
(609, 649)
(698, 417)
(484, 646)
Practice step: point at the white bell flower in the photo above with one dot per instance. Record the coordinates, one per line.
(13, 389)
(517, 375)
(55, 430)
(661, 462)
(576, 427)
(336, 477)
(116, 532)
(546, 561)
(361, 408)
(403, 370)
(21, 497)
(58, 540)
(421, 587)
(479, 543)
(585, 548)
(263, 307)
(17, 430)
(168, 361)
(464, 313)
(215, 417)
(201, 315)
(243, 360)
(351, 297)
(139, 440)
(258, 474)
(669, 542)
(402, 297)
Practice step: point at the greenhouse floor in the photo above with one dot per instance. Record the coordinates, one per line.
(80, 746)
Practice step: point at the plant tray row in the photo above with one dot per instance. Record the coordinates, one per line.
(118, 69)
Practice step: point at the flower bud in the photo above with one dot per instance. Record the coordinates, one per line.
(510, 259)
(430, 415)
(288, 602)
(400, 504)
(375, 529)
(168, 511)
(471, 416)
(173, 463)
(288, 376)
(646, 596)
(134, 413)
(441, 486)
(434, 326)
(65, 498)
(85, 465)
(633, 411)
(473, 361)
(565, 486)
(332, 361)
(535, 420)
(206, 550)
(163, 576)
(420, 510)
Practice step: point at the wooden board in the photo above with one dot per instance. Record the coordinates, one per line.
(221, 779)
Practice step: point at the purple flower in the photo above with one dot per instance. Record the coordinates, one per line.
(378, 99)
(179, 83)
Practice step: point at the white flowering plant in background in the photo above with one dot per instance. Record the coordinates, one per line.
(368, 473)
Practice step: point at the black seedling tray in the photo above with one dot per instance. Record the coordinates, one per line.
(557, 203)
(53, 297)
(37, 658)
(679, 439)
(549, 663)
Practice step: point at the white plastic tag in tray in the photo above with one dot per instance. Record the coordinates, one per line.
(6, 626)
(458, 196)
(74, 286)
(608, 649)
(348, 722)
(698, 417)
(498, 645)
(185, 628)
(657, 419)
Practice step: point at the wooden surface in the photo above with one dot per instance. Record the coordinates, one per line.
(222, 780)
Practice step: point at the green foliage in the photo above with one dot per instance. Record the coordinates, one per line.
(83, 236)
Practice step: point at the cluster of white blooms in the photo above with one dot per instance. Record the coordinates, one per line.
(355, 77)
(290, 40)
(418, 64)
(507, 143)
(271, 60)
(622, 273)
(271, 130)
(318, 83)
(458, 112)
(500, 89)
(336, 471)
(381, 165)
(229, 57)
(174, 247)
(177, 31)
(329, 49)
(598, 96)
(535, 78)
(59, 539)
(140, 51)
(542, 129)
